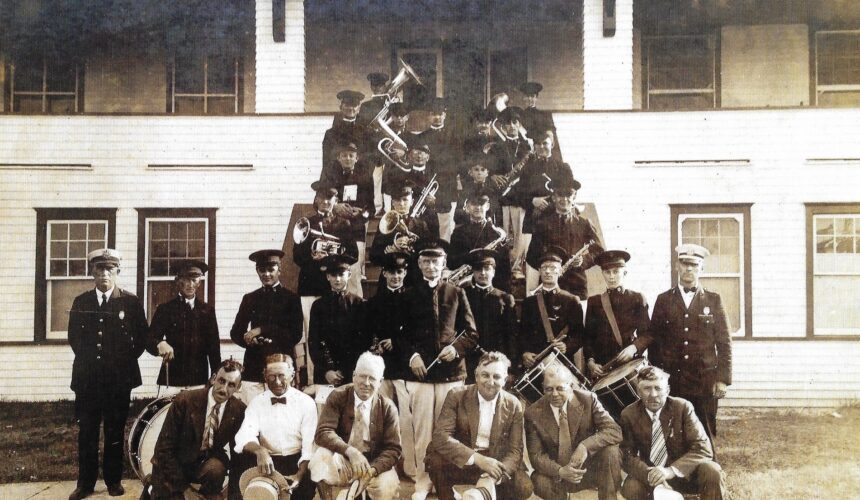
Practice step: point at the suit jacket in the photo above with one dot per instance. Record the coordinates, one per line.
(193, 334)
(496, 320)
(692, 345)
(590, 425)
(335, 427)
(386, 319)
(456, 430)
(436, 316)
(563, 310)
(279, 316)
(312, 281)
(335, 334)
(687, 444)
(106, 342)
(631, 313)
(178, 445)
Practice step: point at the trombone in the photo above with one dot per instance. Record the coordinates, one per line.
(323, 242)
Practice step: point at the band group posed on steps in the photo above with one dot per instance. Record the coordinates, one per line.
(439, 378)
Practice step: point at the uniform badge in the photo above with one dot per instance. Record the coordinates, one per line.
(707, 310)
(122, 315)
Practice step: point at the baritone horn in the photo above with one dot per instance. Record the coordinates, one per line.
(323, 242)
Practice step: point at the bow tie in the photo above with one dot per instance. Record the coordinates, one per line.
(617, 290)
(282, 400)
(688, 289)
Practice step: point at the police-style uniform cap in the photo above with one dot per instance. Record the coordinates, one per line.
(336, 264)
(350, 97)
(398, 109)
(481, 257)
(340, 148)
(104, 255)
(401, 189)
(192, 268)
(479, 195)
(432, 247)
(376, 79)
(394, 261)
(510, 114)
(531, 88)
(612, 258)
(266, 257)
(690, 252)
(322, 188)
(439, 105)
(564, 185)
(419, 145)
(553, 253)
(477, 159)
(483, 115)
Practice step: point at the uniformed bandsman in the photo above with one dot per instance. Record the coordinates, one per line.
(419, 170)
(477, 233)
(345, 127)
(371, 107)
(446, 154)
(534, 120)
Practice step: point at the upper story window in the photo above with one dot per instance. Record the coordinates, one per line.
(680, 72)
(837, 68)
(52, 86)
(204, 84)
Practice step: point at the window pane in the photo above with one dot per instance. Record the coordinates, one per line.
(58, 250)
(196, 249)
(158, 267)
(28, 76)
(78, 267)
(222, 74)
(680, 102)
(837, 305)
(60, 105)
(178, 249)
(839, 99)
(61, 294)
(78, 249)
(59, 268)
(158, 292)
(77, 231)
(158, 249)
(158, 230)
(197, 230)
(97, 232)
(61, 76)
(178, 230)
(824, 225)
(28, 104)
(838, 59)
(189, 105)
(680, 63)
(189, 74)
(221, 106)
(730, 291)
(59, 231)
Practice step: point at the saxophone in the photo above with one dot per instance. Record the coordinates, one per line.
(582, 251)
(514, 175)
(463, 274)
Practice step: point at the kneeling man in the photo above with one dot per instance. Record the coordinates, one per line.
(665, 445)
(572, 440)
(191, 447)
(358, 436)
(478, 438)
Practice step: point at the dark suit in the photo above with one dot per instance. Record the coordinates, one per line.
(496, 320)
(335, 336)
(589, 425)
(631, 313)
(563, 311)
(454, 441)
(278, 313)
(177, 459)
(385, 319)
(335, 427)
(471, 235)
(694, 347)
(687, 446)
(107, 342)
(312, 281)
(193, 334)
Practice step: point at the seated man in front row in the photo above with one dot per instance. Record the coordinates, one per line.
(572, 440)
(191, 446)
(490, 458)
(665, 445)
(277, 435)
(358, 437)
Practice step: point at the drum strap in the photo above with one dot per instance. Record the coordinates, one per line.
(544, 319)
(607, 307)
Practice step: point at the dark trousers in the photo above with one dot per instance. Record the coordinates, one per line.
(705, 406)
(287, 466)
(91, 409)
(603, 470)
(707, 480)
(519, 487)
(208, 472)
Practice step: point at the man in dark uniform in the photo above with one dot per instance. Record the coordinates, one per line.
(184, 332)
(345, 128)
(371, 107)
(474, 180)
(494, 310)
(480, 136)
(446, 154)
(563, 226)
(551, 316)
(335, 335)
(535, 121)
(107, 333)
(619, 336)
(269, 319)
(401, 203)
(478, 233)
(689, 338)
(420, 171)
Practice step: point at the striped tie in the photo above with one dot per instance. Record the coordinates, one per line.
(658, 444)
(211, 428)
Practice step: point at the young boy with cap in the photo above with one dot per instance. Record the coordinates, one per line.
(478, 232)
(419, 170)
(345, 128)
(535, 121)
(475, 179)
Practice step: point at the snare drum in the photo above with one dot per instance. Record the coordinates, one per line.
(618, 389)
(144, 434)
(530, 385)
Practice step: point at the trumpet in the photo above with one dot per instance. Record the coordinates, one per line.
(394, 221)
(323, 242)
(428, 191)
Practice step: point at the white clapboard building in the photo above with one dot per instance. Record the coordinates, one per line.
(174, 129)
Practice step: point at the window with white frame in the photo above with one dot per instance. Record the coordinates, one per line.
(427, 63)
(837, 68)
(202, 84)
(44, 85)
(67, 269)
(680, 72)
(169, 242)
(724, 269)
(836, 274)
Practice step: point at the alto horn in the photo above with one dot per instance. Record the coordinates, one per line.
(324, 242)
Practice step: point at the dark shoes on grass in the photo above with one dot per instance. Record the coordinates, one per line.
(80, 493)
(116, 490)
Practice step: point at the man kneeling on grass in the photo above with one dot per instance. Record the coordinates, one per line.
(665, 448)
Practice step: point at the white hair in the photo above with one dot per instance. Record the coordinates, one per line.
(372, 362)
(560, 372)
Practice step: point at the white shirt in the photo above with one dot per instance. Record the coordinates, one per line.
(556, 410)
(687, 296)
(485, 423)
(100, 294)
(365, 413)
(434, 283)
(289, 429)
(210, 403)
(190, 301)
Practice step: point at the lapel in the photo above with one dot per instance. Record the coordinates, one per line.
(349, 413)
(473, 413)
(574, 416)
(226, 421)
(678, 300)
(695, 304)
(645, 429)
(503, 409)
(666, 423)
(198, 416)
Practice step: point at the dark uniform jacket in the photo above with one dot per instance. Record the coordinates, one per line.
(335, 336)
(178, 445)
(504, 154)
(496, 320)
(532, 184)
(369, 109)
(193, 334)
(312, 281)
(341, 133)
(361, 178)
(386, 319)
(631, 313)
(537, 121)
(472, 235)
(569, 233)
(563, 311)
(382, 241)
(692, 345)
(446, 152)
(436, 316)
(394, 176)
(335, 427)
(106, 342)
(469, 187)
(278, 313)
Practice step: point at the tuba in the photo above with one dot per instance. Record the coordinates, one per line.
(323, 242)
(394, 221)
(381, 120)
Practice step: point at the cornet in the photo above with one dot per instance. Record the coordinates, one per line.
(394, 221)
(324, 242)
(428, 191)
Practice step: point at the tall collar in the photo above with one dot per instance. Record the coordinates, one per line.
(394, 290)
(487, 288)
(440, 127)
(416, 168)
(434, 283)
(348, 120)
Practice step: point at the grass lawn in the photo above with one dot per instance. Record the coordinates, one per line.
(766, 454)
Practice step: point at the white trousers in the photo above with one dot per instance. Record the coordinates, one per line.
(331, 468)
(512, 222)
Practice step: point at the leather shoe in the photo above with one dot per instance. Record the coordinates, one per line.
(80, 493)
(116, 490)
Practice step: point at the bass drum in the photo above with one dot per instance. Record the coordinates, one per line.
(144, 434)
(618, 388)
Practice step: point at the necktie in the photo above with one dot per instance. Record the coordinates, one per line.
(282, 400)
(359, 427)
(211, 427)
(688, 289)
(565, 446)
(104, 300)
(658, 444)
